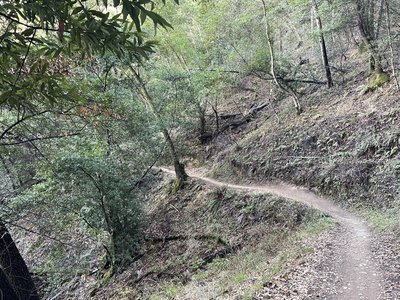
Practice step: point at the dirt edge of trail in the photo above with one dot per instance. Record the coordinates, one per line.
(357, 272)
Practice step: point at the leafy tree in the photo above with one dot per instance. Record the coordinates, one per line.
(148, 100)
(39, 34)
(100, 190)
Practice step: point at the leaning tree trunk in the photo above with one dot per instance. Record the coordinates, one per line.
(180, 172)
(13, 267)
(322, 43)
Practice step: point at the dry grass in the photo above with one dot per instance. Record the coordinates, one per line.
(244, 273)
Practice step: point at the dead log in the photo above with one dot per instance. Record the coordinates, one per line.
(185, 237)
(252, 112)
(258, 108)
(222, 253)
(230, 116)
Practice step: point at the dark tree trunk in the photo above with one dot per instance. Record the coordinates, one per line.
(13, 267)
(324, 52)
(203, 135)
(216, 115)
(202, 128)
(6, 290)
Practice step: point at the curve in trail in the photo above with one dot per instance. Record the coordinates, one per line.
(358, 273)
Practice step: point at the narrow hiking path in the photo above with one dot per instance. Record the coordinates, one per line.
(356, 274)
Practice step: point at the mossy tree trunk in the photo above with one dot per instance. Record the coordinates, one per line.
(369, 31)
(366, 26)
(14, 269)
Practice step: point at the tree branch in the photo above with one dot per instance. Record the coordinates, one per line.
(41, 139)
(20, 121)
(38, 233)
(27, 25)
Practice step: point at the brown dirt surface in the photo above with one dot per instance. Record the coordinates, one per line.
(349, 268)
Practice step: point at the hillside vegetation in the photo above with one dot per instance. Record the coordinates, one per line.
(346, 147)
(278, 119)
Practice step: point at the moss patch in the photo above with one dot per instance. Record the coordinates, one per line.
(377, 80)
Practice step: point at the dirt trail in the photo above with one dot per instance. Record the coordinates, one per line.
(358, 275)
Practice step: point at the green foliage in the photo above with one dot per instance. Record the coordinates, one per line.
(76, 137)
(100, 192)
(35, 32)
(384, 220)
(106, 202)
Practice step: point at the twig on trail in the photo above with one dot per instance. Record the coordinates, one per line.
(175, 207)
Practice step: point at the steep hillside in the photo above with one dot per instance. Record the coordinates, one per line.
(205, 242)
(208, 242)
(345, 146)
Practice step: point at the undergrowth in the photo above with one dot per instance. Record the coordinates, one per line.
(245, 273)
(352, 159)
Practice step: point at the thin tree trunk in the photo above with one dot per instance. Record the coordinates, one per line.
(200, 110)
(272, 63)
(379, 21)
(389, 32)
(8, 172)
(202, 123)
(322, 43)
(180, 172)
(13, 267)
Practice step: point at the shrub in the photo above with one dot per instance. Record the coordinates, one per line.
(100, 190)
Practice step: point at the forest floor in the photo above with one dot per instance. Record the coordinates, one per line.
(346, 267)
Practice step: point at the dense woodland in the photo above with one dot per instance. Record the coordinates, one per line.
(95, 94)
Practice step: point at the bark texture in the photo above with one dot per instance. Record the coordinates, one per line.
(324, 52)
(14, 269)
